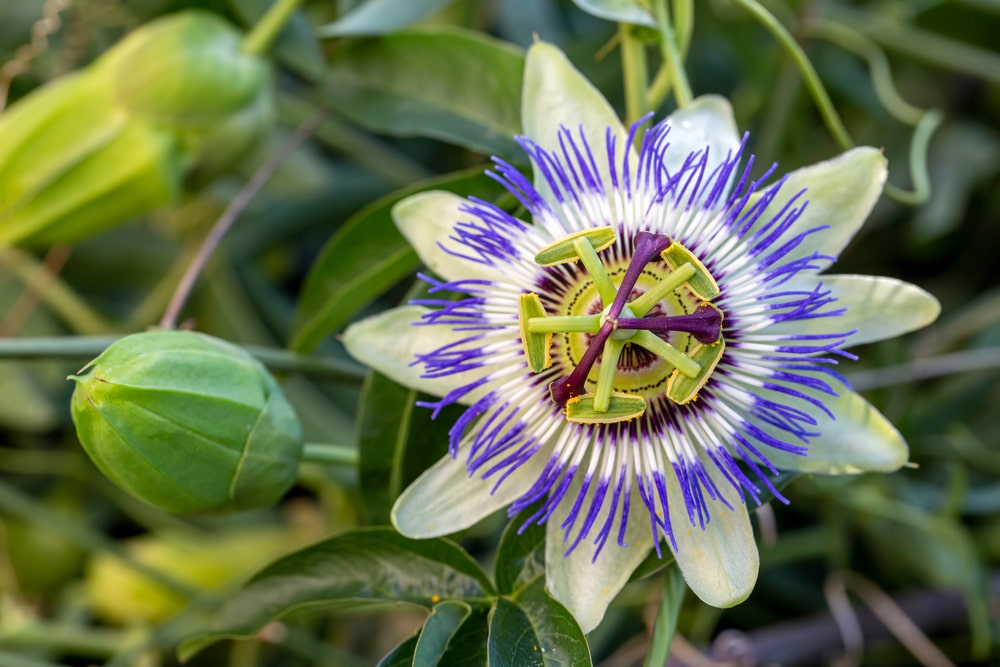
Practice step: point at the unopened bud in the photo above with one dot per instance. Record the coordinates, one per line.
(187, 422)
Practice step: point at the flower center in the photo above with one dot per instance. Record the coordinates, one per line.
(623, 322)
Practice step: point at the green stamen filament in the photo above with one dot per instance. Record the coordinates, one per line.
(606, 374)
(667, 352)
(677, 277)
(565, 324)
(595, 267)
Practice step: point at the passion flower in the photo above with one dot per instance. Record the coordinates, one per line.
(187, 422)
(641, 356)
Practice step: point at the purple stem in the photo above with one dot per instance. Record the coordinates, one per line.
(705, 324)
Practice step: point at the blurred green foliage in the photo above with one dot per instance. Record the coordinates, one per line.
(429, 105)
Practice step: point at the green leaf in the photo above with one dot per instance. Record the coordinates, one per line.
(397, 441)
(366, 257)
(296, 45)
(622, 11)
(360, 567)
(402, 655)
(449, 84)
(534, 630)
(521, 555)
(377, 17)
(454, 635)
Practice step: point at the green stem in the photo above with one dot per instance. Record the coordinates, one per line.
(921, 44)
(330, 454)
(58, 296)
(20, 660)
(269, 27)
(659, 88)
(87, 347)
(819, 94)
(665, 626)
(878, 65)
(62, 637)
(683, 13)
(926, 121)
(919, 147)
(634, 74)
(672, 57)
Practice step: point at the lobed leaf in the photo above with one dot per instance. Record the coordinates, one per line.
(534, 630)
(365, 566)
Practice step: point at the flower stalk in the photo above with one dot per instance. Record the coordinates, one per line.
(269, 27)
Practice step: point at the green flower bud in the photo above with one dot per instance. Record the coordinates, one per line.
(187, 422)
(175, 98)
(188, 72)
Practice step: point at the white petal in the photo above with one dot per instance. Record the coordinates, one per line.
(427, 219)
(719, 563)
(841, 192)
(706, 121)
(445, 499)
(859, 440)
(587, 588)
(557, 95)
(878, 308)
(389, 343)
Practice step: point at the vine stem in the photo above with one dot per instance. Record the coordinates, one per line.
(269, 27)
(819, 94)
(634, 73)
(87, 347)
(230, 215)
(330, 454)
(672, 57)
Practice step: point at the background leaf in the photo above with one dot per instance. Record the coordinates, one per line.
(402, 655)
(449, 84)
(624, 11)
(397, 441)
(366, 257)
(377, 17)
(533, 630)
(520, 556)
(454, 635)
(362, 566)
